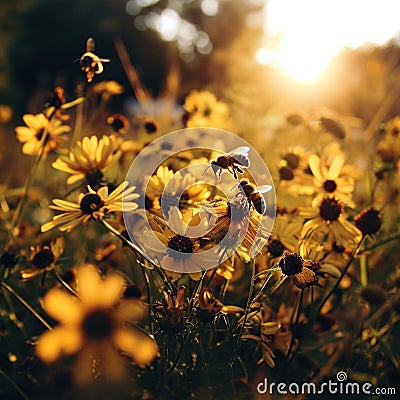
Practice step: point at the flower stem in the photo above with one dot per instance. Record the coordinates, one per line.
(13, 384)
(65, 284)
(21, 204)
(26, 304)
(246, 313)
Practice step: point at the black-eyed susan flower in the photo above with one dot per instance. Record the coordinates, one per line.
(118, 122)
(204, 110)
(285, 234)
(329, 179)
(95, 324)
(89, 159)
(233, 222)
(36, 125)
(182, 189)
(43, 258)
(91, 205)
(177, 253)
(327, 217)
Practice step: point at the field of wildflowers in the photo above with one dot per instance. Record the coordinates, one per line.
(207, 274)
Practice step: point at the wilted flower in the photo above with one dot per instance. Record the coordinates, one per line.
(93, 324)
(32, 134)
(170, 313)
(94, 204)
(369, 221)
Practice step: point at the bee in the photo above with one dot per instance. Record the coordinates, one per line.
(90, 62)
(233, 162)
(253, 195)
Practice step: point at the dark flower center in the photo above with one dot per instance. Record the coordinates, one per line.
(148, 203)
(369, 221)
(292, 160)
(97, 325)
(286, 174)
(43, 259)
(330, 209)
(94, 176)
(182, 245)
(91, 202)
(150, 127)
(276, 248)
(291, 263)
(330, 186)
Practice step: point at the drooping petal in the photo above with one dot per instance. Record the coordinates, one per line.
(60, 341)
(143, 349)
(62, 306)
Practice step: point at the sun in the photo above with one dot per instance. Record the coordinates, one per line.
(302, 37)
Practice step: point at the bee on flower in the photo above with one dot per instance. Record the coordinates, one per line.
(91, 205)
(94, 324)
(38, 128)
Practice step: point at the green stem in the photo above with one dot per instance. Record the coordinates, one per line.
(13, 384)
(246, 313)
(337, 283)
(137, 250)
(26, 304)
(270, 273)
(65, 284)
(18, 212)
(387, 239)
(364, 270)
(296, 311)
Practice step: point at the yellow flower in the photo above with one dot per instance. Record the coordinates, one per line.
(204, 110)
(182, 189)
(285, 234)
(94, 204)
(329, 180)
(89, 159)
(43, 258)
(32, 134)
(234, 222)
(327, 218)
(95, 324)
(176, 252)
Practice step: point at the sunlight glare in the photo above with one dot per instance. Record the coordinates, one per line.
(303, 36)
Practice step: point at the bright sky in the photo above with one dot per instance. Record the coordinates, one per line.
(311, 32)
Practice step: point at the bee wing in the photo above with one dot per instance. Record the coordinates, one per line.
(240, 150)
(264, 188)
(104, 60)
